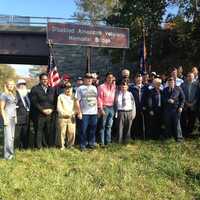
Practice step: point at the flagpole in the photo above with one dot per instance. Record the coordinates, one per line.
(144, 44)
(50, 44)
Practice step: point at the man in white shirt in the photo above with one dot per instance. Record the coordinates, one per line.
(86, 96)
(126, 112)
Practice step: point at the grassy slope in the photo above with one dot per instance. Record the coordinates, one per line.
(140, 170)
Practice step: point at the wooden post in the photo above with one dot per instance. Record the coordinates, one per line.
(88, 67)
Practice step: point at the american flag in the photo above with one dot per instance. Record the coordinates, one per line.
(53, 75)
(143, 57)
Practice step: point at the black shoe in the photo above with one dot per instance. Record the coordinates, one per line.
(82, 149)
(91, 147)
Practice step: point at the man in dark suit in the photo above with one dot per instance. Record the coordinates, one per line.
(154, 109)
(138, 90)
(191, 91)
(44, 101)
(173, 101)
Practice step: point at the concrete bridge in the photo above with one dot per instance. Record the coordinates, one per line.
(26, 44)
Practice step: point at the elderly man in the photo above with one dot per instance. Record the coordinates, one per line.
(23, 108)
(138, 90)
(191, 91)
(173, 102)
(154, 109)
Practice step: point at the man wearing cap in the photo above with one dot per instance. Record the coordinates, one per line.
(86, 96)
(23, 108)
(106, 98)
(79, 82)
(173, 103)
(43, 99)
(65, 80)
(67, 108)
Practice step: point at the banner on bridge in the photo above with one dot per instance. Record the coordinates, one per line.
(86, 35)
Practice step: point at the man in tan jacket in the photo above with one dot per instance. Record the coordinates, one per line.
(67, 108)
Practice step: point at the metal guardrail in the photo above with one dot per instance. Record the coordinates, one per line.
(31, 20)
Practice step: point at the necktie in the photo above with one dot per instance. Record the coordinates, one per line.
(123, 100)
(139, 94)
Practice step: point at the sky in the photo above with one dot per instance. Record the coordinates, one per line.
(41, 8)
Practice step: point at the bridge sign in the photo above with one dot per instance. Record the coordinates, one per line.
(86, 35)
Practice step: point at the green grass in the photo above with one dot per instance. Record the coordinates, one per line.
(140, 170)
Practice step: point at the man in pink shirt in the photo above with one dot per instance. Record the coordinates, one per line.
(106, 98)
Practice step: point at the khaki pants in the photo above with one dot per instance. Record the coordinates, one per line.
(66, 127)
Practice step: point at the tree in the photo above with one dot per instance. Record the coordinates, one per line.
(35, 70)
(6, 72)
(94, 11)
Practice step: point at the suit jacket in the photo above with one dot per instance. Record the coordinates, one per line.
(135, 92)
(41, 100)
(22, 112)
(177, 95)
(153, 100)
(194, 94)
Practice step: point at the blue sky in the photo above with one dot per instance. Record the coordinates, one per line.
(41, 8)
(38, 8)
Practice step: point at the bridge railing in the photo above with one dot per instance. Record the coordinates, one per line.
(30, 20)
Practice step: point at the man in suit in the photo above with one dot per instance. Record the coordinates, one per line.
(173, 102)
(154, 109)
(138, 90)
(43, 100)
(191, 91)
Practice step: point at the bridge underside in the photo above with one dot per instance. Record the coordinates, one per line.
(23, 45)
(32, 60)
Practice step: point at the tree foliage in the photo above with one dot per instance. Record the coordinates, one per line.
(6, 72)
(177, 43)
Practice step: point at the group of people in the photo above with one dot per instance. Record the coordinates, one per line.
(148, 106)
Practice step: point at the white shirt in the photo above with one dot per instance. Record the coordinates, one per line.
(87, 96)
(126, 97)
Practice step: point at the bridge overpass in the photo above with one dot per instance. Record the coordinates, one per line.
(26, 44)
(23, 45)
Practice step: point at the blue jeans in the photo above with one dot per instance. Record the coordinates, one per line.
(88, 130)
(106, 125)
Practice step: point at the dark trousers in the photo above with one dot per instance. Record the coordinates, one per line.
(22, 136)
(138, 129)
(155, 127)
(188, 119)
(124, 120)
(172, 123)
(44, 136)
(88, 130)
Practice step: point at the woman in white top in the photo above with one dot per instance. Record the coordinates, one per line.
(126, 112)
(8, 112)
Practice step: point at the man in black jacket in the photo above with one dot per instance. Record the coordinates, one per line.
(44, 101)
(173, 101)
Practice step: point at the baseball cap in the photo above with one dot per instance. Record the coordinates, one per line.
(21, 81)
